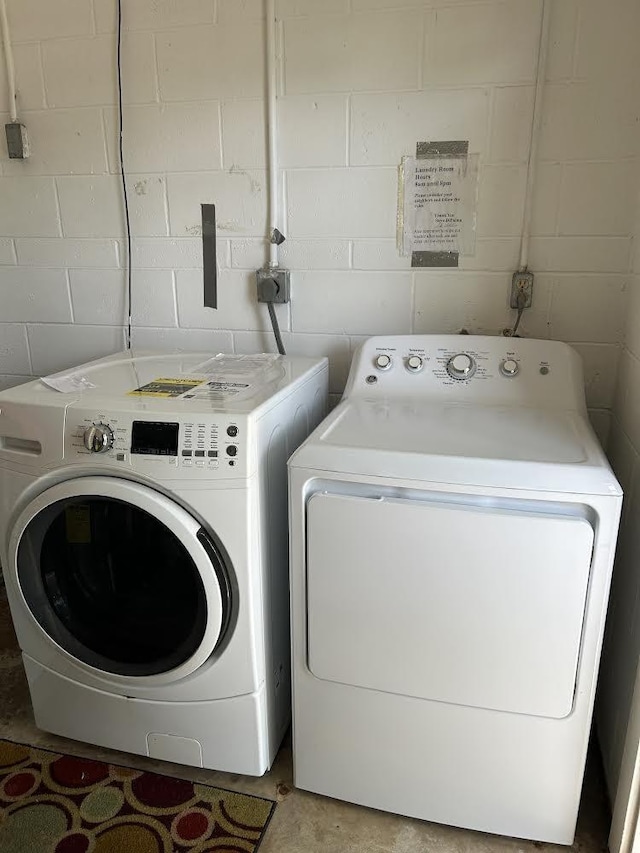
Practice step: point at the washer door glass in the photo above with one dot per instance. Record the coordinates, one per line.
(114, 586)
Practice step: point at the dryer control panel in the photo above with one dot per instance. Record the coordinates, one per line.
(466, 368)
(183, 447)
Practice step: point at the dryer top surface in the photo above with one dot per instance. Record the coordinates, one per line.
(517, 419)
(456, 443)
(461, 430)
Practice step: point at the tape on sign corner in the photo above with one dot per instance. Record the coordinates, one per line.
(447, 149)
(434, 259)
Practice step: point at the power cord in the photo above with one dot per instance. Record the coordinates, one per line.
(521, 300)
(268, 289)
(276, 328)
(125, 194)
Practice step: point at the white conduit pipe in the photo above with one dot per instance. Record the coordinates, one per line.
(543, 50)
(8, 56)
(272, 130)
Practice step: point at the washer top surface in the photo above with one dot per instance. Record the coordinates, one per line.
(160, 383)
(464, 410)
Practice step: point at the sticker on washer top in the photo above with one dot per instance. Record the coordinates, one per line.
(166, 387)
(215, 390)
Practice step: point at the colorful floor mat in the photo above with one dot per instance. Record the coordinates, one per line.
(52, 803)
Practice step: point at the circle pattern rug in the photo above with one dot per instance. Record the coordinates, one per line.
(52, 803)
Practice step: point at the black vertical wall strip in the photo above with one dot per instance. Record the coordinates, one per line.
(209, 266)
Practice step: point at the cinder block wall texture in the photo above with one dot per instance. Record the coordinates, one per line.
(360, 82)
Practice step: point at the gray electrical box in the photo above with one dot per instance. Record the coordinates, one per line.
(17, 141)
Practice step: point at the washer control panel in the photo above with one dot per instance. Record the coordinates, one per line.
(469, 367)
(98, 438)
(180, 447)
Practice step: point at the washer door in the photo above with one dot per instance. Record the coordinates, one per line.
(121, 577)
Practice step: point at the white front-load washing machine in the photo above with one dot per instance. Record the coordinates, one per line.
(453, 526)
(143, 528)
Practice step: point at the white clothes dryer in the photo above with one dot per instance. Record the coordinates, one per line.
(453, 526)
(143, 530)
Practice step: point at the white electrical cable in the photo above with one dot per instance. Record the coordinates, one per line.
(272, 130)
(543, 50)
(8, 56)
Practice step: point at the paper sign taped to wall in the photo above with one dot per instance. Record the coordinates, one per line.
(437, 210)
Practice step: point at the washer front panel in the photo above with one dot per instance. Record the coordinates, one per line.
(121, 578)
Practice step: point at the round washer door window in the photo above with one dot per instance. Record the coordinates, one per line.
(122, 578)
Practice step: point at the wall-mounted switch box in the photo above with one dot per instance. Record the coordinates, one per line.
(17, 140)
(274, 284)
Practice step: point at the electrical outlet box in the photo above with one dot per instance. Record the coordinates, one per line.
(274, 285)
(17, 141)
(522, 286)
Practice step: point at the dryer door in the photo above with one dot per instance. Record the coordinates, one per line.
(467, 604)
(121, 577)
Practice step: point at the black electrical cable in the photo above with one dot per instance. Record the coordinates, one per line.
(521, 300)
(276, 328)
(518, 318)
(125, 194)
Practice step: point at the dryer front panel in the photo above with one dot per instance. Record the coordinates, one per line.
(467, 604)
(121, 578)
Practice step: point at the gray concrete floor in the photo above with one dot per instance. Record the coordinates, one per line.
(303, 822)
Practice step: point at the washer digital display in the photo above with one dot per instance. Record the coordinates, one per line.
(152, 438)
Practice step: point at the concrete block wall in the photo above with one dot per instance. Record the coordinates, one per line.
(361, 81)
(621, 655)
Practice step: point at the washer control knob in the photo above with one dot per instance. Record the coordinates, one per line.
(461, 366)
(232, 450)
(415, 363)
(383, 361)
(509, 367)
(98, 438)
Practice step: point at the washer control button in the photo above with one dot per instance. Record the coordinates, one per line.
(232, 431)
(461, 366)
(415, 363)
(232, 450)
(383, 361)
(98, 438)
(509, 367)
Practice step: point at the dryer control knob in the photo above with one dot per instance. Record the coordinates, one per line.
(98, 438)
(461, 366)
(383, 361)
(509, 367)
(415, 363)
